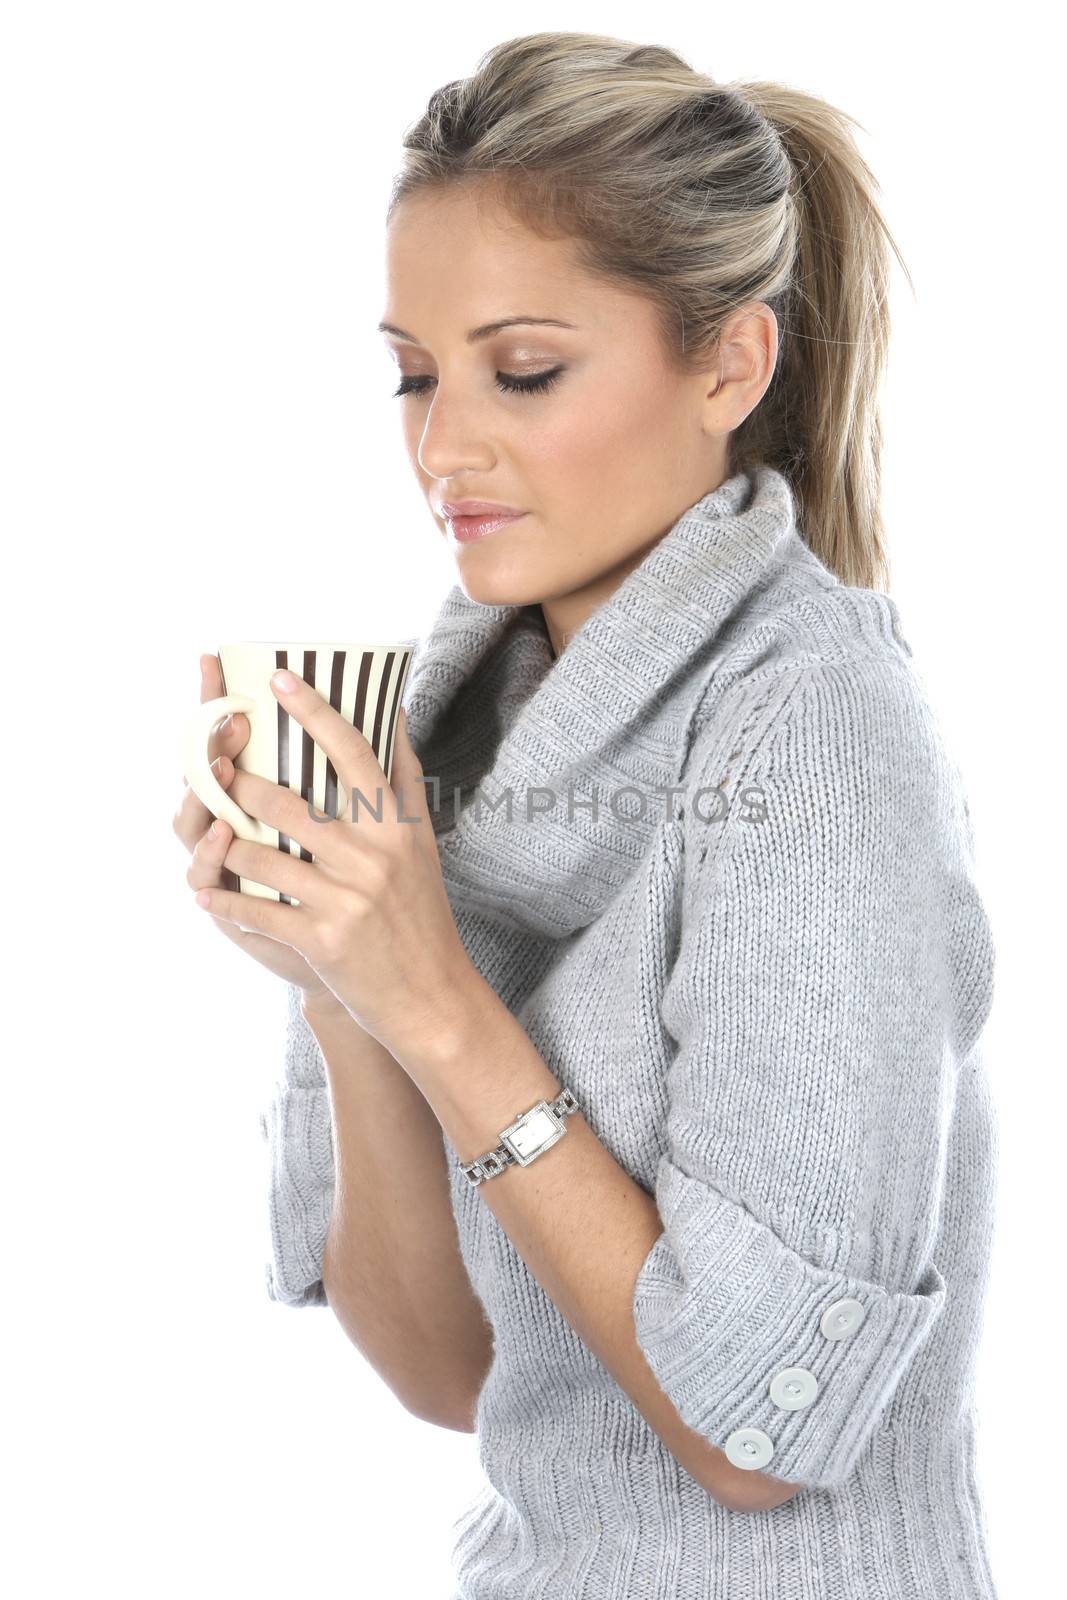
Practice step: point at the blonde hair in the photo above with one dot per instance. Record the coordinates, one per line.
(704, 196)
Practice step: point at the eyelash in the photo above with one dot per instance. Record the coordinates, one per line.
(507, 382)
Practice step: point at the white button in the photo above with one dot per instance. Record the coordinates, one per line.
(842, 1318)
(748, 1447)
(793, 1388)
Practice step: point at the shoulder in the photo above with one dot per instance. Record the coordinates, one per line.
(821, 797)
(825, 735)
(823, 685)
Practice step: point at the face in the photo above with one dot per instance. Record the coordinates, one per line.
(584, 428)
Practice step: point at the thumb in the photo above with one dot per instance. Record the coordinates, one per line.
(407, 770)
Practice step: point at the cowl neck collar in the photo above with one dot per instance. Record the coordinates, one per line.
(492, 713)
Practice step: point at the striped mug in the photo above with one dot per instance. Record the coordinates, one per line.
(363, 682)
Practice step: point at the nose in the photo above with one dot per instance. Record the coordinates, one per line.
(452, 442)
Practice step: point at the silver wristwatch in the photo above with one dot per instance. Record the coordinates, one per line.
(529, 1136)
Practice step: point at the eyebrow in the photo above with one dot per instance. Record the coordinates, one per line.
(486, 330)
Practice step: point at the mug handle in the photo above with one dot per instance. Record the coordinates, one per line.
(202, 780)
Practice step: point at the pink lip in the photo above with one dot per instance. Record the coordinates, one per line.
(478, 508)
(466, 529)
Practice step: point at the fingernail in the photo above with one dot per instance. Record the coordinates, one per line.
(214, 829)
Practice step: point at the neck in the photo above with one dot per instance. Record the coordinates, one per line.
(565, 614)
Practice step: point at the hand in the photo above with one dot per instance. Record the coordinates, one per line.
(374, 921)
(192, 822)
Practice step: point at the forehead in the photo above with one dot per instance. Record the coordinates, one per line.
(459, 263)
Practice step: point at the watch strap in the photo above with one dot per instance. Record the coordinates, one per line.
(543, 1121)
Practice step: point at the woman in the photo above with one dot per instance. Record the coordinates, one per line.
(696, 873)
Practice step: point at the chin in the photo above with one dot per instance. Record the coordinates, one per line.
(491, 583)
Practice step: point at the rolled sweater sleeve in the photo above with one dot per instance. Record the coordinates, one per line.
(298, 1128)
(833, 973)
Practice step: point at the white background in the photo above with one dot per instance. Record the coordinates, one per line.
(199, 444)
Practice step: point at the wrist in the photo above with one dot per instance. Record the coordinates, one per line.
(321, 1005)
(466, 1019)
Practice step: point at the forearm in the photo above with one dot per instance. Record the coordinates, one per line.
(392, 1268)
(477, 1074)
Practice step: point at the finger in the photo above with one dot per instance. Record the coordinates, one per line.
(272, 867)
(269, 917)
(351, 753)
(222, 736)
(192, 818)
(411, 796)
(206, 869)
(210, 677)
(330, 839)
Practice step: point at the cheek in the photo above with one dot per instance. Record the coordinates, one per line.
(611, 445)
(585, 432)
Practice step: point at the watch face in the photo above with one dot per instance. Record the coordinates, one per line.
(533, 1132)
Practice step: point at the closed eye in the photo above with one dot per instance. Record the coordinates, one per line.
(508, 382)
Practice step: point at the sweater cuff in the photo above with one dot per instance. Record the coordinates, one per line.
(723, 1309)
(298, 1128)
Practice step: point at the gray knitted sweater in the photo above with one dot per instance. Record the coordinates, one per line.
(762, 965)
